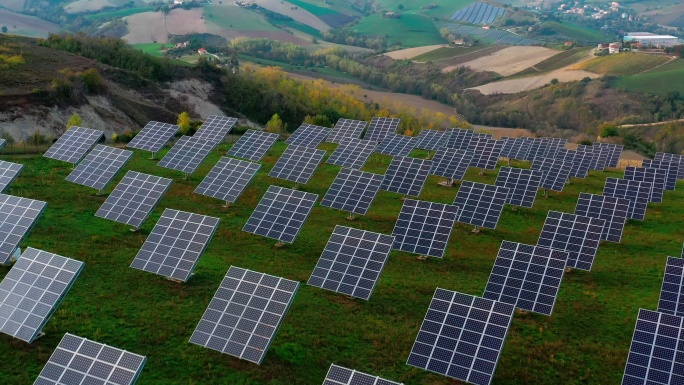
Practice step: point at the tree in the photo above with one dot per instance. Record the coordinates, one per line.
(4, 29)
(74, 120)
(9, 139)
(275, 125)
(400, 7)
(184, 123)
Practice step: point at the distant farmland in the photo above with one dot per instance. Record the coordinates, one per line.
(623, 64)
(407, 31)
(661, 81)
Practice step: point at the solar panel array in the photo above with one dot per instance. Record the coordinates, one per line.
(346, 129)
(215, 128)
(228, 179)
(338, 375)
(80, 361)
(614, 151)
(672, 292)
(554, 146)
(245, 313)
(613, 211)
(133, 198)
(99, 167)
(352, 262)
(602, 157)
(538, 148)
(352, 153)
(487, 152)
(584, 159)
(73, 144)
(555, 172)
(670, 168)
(2, 143)
(308, 135)
(577, 234)
(432, 140)
(32, 290)
(656, 350)
(451, 163)
(478, 13)
(579, 162)
(281, 213)
(522, 185)
(187, 154)
(353, 191)
(380, 128)
(651, 175)
(638, 194)
(17, 217)
(253, 145)
(424, 227)
(516, 148)
(397, 145)
(462, 336)
(8, 172)
(175, 244)
(480, 204)
(672, 158)
(459, 138)
(406, 175)
(297, 164)
(526, 276)
(153, 136)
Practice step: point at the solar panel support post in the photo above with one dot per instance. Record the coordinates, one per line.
(227, 204)
(185, 175)
(134, 229)
(279, 244)
(176, 280)
(351, 216)
(475, 230)
(523, 312)
(422, 257)
(153, 156)
(13, 258)
(546, 193)
(482, 172)
(446, 183)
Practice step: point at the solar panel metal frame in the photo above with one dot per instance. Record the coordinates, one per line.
(431, 140)
(406, 175)
(72, 146)
(600, 161)
(352, 262)
(467, 331)
(638, 193)
(520, 148)
(80, 361)
(228, 179)
(613, 211)
(526, 276)
(581, 165)
(32, 291)
(480, 204)
(154, 136)
(487, 152)
(554, 145)
(459, 138)
(346, 129)
(297, 164)
(380, 128)
(577, 234)
(284, 228)
(2, 143)
(555, 172)
(248, 306)
(8, 173)
(672, 291)
(100, 166)
(671, 169)
(187, 154)
(397, 145)
(153, 188)
(338, 375)
(424, 227)
(353, 191)
(650, 175)
(308, 135)
(352, 153)
(10, 216)
(253, 145)
(215, 128)
(672, 158)
(615, 151)
(522, 185)
(538, 147)
(451, 163)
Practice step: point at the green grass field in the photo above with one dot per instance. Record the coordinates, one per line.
(118, 14)
(152, 48)
(309, 30)
(577, 32)
(408, 30)
(445, 53)
(236, 18)
(586, 340)
(623, 64)
(660, 81)
(444, 9)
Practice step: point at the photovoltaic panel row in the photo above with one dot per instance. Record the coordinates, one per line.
(670, 168)
(380, 128)
(638, 194)
(522, 185)
(432, 140)
(352, 262)
(346, 129)
(487, 152)
(228, 179)
(8, 172)
(459, 138)
(603, 157)
(17, 217)
(352, 153)
(80, 361)
(655, 177)
(215, 128)
(614, 153)
(297, 164)
(74, 144)
(353, 191)
(32, 290)
(538, 147)
(175, 244)
(480, 204)
(554, 145)
(451, 163)
(526, 276)
(338, 375)
(406, 176)
(308, 135)
(397, 145)
(672, 292)
(585, 158)
(154, 136)
(245, 314)
(672, 158)
(555, 172)
(187, 154)
(613, 211)
(516, 148)
(253, 145)
(424, 227)
(577, 234)
(462, 336)
(579, 161)
(100, 166)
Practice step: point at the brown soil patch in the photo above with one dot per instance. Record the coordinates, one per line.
(185, 22)
(273, 35)
(24, 25)
(298, 14)
(146, 27)
(410, 53)
(533, 82)
(508, 61)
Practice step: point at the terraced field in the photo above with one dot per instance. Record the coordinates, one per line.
(561, 60)
(446, 53)
(623, 64)
(661, 81)
(407, 31)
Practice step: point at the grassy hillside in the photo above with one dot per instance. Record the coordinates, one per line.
(575, 32)
(408, 30)
(661, 81)
(586, 338)
(558, 61)
(444, 8)
(623, 64)
(153, 49)
(235, 18)
(445, 53)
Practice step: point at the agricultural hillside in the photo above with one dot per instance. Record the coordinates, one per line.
(623, 64)
(662, 80)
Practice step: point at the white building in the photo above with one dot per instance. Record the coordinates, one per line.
(653, 40)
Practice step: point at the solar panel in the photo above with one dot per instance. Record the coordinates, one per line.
(380, 128)
(554, 146)
(424, 227)
(228, 179)
(73, 144)
(462, 336)
(602, 157)
(80, 361)
(346, 129)
(17, 217)
(353, 191)
(432, 140)
(243, 317)
(281, 213)
(671, 169)
(614, 152)
(459, 138)
(672, 158)
(577, 234)
(522, 185)
(613, 211)
(636, 192)
(515, 148)
(487, 152)
(308, 135)
(451, 163)
(154, 136)
(187, 154)
(8, 172)
(406, 175)
(352, 262)
(2, 143)
(99, 167)
(584, 158)
(397, 145)
(526, 276)
(338, 375)
(253, 145)
(655, 356)
(555, 172)
(672, 291)
(297, 164)
(538, 147)
(352, 153)
(215, 128)
(32, 290)
(651, 175)
(480, 204)
(175, 244)
(133, 198)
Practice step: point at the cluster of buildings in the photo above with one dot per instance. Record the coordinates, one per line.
(596, 12)
(647, 39)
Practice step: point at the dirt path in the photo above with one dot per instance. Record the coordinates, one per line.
(652, 124)
(658, 66)
(296, 13)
